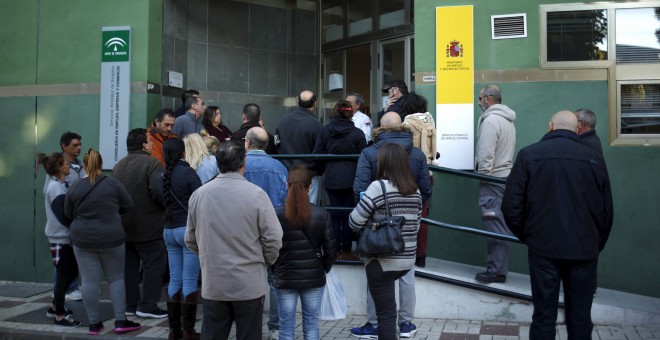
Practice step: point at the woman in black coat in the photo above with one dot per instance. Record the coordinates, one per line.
(340, 137)
(307, 253)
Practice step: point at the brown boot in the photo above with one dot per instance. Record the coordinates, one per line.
(189, 316)
(174, 316)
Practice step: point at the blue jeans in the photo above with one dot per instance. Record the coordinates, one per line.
(184, 264)
(273, 314)
(313, 194)
(310, 298)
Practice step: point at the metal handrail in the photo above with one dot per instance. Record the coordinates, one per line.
(461, 173)
(481, 232)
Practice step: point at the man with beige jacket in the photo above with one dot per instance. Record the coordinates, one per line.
(233, 227)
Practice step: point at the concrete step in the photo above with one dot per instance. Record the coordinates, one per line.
(462, 300)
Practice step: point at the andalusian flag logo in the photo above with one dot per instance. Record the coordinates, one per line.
(116, 45)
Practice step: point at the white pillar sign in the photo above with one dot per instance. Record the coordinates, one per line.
(115, 94)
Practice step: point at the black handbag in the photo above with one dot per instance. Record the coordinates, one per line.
(382, 237)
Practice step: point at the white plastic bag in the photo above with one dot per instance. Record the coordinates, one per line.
(333, 302)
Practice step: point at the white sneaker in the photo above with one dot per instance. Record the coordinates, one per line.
(274, 334)
(74, 296)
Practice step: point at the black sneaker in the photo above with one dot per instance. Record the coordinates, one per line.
(95, 328)
(488, 277)
(124, 326)
(67, 321)
(50, 312)
(156, 313)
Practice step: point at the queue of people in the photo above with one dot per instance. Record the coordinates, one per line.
(218, 204)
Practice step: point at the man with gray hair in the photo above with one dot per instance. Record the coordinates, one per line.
(360, 120)
(270, 175)
(496, 143)
(234, 246)
(587, 129)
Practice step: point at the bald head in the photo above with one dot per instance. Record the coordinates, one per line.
(307, 99)
(390, 119)
(563, 120)
(256, 139)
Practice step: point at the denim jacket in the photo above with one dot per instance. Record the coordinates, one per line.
(267, 173)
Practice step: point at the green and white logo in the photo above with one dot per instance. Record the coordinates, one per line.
(116, 45)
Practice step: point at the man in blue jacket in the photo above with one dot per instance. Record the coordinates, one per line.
(558, 201)
(391, 131)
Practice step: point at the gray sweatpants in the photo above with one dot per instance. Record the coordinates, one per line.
(94, 264)
(490, 202)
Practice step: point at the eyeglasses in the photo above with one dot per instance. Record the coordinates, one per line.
(486, 96)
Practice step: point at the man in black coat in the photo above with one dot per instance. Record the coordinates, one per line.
(296, 133)
(252, 118)
(587, 129)
(558, 201)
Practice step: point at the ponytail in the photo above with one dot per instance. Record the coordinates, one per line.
(93, 164)
(297, 207)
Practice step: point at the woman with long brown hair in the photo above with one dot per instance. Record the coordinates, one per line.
(95, 203)
(308, 252)
(404, 199)
(213, 124)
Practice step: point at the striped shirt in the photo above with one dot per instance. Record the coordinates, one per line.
(372, 204)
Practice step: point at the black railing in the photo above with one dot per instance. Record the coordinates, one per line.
(460, 173)
(470, 230)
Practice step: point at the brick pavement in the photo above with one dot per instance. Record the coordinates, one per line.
(23, 317)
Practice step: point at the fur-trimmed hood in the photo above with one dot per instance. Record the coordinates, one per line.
(393, 134)
(396, 128)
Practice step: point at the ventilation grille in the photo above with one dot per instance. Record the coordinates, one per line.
(509, 26)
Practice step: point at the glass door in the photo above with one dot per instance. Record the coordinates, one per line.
(395, 62)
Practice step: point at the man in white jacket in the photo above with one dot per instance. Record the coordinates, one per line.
(496, 143)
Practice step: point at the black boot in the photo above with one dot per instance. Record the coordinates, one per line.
(189, 316)
(174, 316)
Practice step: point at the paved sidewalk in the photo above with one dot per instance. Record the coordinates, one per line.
(23, 308)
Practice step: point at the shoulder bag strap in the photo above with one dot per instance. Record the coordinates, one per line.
(387, 205)
(177, 200)
(87, 194)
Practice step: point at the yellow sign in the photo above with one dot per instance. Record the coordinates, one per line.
(455, 86)
(454, 55)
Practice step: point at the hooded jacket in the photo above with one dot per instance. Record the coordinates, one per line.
(368, 164)
(339, 137)
(55, 230)
(496, 141)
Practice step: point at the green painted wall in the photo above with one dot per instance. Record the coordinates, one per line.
(55, 42)
(630, 259)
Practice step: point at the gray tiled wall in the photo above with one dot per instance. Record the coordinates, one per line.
(237, 52)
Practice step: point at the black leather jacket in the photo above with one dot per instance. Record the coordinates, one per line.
(301, 264)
